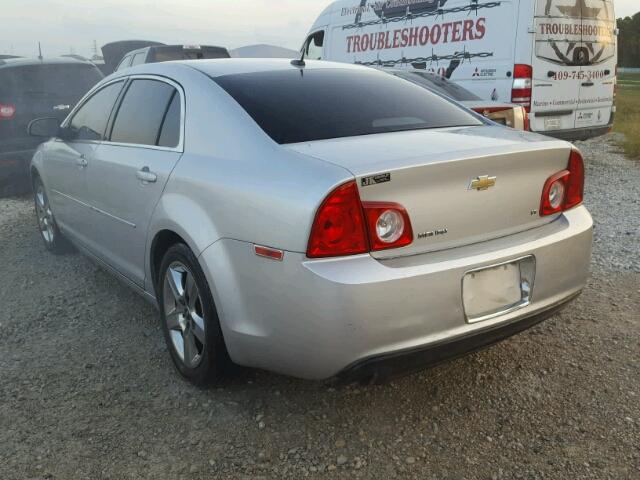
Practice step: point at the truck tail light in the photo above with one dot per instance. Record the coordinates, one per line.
(522, 85)
(7, 111)
(514, 116)
(565, 189)
(343, 225)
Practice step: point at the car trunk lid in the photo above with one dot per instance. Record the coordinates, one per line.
(459, 186)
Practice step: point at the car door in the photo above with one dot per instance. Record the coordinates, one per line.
(598, 59)
(131, 168)
(68, 159)
(556, 65)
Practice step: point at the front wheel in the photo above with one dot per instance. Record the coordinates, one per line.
(53, 239)
(189, 318)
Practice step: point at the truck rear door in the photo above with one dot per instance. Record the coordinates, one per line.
(597, 55)
(573, 64)
(556, 71)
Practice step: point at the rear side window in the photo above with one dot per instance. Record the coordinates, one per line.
(170, 131)
(90, 121)
(124, 63)
(303, 105)
(139, 58)
(143, 112)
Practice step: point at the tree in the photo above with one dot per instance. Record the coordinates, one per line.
(629, 41)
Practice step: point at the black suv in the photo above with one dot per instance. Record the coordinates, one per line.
(29, 89)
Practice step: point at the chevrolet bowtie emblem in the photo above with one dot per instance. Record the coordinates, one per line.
(482, 183)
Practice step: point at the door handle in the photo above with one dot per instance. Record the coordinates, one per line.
(588, 84)
(82, 161)
(146, 176)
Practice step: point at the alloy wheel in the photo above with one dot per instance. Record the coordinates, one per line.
(45, 215)
(184, 314)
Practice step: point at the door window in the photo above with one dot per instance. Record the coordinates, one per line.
(143, 111)
(314, 46)
(90, 121)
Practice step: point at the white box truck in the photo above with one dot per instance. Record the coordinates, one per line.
(556, 57)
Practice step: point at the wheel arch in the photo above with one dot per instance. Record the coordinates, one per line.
(162, 241)
(176, 218)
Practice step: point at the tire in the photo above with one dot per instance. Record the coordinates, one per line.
(189, 318)
(53, 238)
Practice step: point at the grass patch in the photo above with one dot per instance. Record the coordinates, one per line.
(628, 119)
(629, 80)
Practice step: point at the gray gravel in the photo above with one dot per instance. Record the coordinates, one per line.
(87, 389)
(613, 197)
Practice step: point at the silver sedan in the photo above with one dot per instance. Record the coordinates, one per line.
(319, 220)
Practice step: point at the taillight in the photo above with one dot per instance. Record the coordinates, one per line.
(345, 226)
(7, 111)
(388, 224)
(522, 85)
(339, 226)
(565, 189)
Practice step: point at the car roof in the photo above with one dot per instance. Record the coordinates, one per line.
(25, 62)
(234, 66)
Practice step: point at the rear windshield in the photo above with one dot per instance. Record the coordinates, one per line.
(295, 105)
(166, 54)
(440, 85)
(52, 81)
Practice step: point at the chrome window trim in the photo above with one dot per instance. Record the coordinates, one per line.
(85, 99)
(125, 79)
(180, 147)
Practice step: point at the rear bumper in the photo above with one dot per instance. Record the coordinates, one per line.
(386, 366)
(579, 134)
(315, 318)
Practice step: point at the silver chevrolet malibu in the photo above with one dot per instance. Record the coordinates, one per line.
(319, 220)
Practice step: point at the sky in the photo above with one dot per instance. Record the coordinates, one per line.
(71, 26)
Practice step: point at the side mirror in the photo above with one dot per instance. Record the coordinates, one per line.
(44, 127)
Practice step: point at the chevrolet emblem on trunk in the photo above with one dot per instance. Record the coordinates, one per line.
(483, 183)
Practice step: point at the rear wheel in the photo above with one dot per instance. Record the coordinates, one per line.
(189, 318)
(49, 231)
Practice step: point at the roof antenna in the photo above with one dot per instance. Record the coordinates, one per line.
(299, 63)
(39, 52)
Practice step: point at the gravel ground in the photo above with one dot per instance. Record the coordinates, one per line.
(87, 389)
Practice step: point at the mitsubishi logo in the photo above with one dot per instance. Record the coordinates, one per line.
(483, 182)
